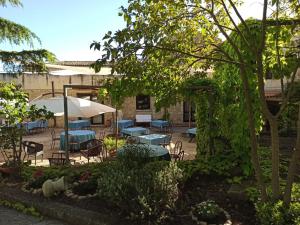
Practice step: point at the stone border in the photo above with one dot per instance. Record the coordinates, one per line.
(31, 190)
(63, 212)
(70, 194)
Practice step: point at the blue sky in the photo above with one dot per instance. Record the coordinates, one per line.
(66, 27)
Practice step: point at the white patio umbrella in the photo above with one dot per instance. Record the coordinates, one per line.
(77, 107)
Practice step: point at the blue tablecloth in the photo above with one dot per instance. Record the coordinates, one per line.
(124, 124)
(79, 124)
(152, 139)
(192, 131)
(159, 123)
(77, 136)
(135, 131)
(155, 151)
(35, 124)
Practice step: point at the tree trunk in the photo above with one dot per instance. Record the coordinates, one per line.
(210, 128)
(20, 151)
(275, 157)
(292, 167)
(253, 139)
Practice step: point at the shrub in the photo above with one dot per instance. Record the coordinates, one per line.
(217, 165)
(271, 213)
(278, 214)
(110, 143)
(143, 191)
(134, 155)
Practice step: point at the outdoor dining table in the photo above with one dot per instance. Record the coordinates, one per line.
(79, 124)
(155, 151)
(192, 133)
(77, 136)
(37, 124)
(124, 124)
(135, 131)
(159, 123)
(152, 139)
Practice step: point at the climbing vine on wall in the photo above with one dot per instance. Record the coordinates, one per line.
(204, 92)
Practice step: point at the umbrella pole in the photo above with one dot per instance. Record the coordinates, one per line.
(66, 125)
(117, 131)
(53, 95)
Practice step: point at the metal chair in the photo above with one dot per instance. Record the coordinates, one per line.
(131, 140)
(32, 148)
(101, 135)
(177, 149)
(91, 148)
(73, 144)
(54, 138)
(59, 159)
(169, 128)
(179, 156)
(167, 141)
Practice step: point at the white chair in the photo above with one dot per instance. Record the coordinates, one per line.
(143, 118)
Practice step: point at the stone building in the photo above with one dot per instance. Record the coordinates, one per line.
(74, 72)
(78, 72)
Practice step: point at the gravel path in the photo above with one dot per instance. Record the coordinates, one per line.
(13, 217)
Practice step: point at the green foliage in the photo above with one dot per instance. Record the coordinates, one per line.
(288, 120)
(142, 191)
(153, 54)
(266, 163)
(272, 214)
(204, 92)
(278, 214)
(13, 33)
(27, 60)
(110, 143)
(21, 208)
(214, 165)
(3, 3)
(206, 210)
(36, 176)
(165, 42)
(134, 156)
(13, 107)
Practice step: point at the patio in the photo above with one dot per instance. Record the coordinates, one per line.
(45, 139)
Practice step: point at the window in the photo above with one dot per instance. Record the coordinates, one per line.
(142, 102)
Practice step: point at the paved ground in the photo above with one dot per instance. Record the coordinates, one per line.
(45, 138)
(12, 217)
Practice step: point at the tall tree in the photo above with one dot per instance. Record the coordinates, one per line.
(169, 40)
(13, 33)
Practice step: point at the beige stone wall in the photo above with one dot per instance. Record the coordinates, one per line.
(36, 85)
(129, 111)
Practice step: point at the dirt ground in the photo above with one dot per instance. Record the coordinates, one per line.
(44, 138)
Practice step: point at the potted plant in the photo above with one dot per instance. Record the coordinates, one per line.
(210, 212)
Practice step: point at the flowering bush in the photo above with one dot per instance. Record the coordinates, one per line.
(206, 210)
(37, 174)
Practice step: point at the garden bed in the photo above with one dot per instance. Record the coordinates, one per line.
(196, 189)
